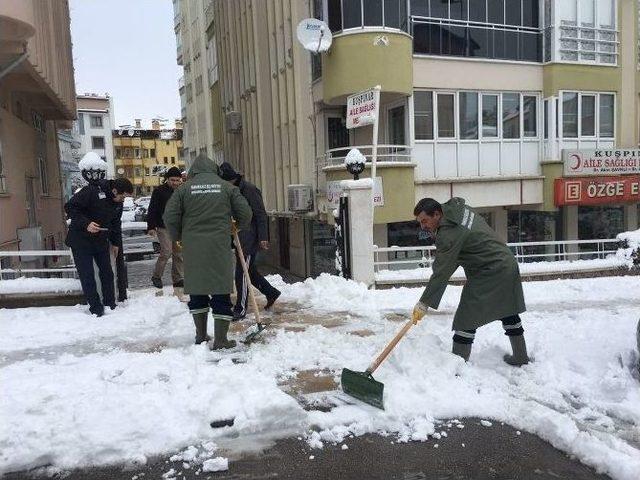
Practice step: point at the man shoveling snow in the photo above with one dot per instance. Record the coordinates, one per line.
(493, 289)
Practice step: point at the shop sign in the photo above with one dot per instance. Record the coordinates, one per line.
(362, 108)
(601, 162)
(596, 191)
(334, 191)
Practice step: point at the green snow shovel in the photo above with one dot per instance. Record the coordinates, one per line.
(362, 385)
(252, 332)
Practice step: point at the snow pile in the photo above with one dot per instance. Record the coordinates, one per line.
(218, 464)
(354, 156)
(631, 253)
(80, 391)
(39, 285)
(92, 160)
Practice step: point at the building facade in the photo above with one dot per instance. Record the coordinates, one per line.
(143, 156)
(483, 99)
(37, 96)
(69, 148)
(93, 127)
(192, 51)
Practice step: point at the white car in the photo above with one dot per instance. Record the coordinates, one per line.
(128, 210)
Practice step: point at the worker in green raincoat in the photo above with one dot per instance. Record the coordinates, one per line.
(493, 289)
(198, 215)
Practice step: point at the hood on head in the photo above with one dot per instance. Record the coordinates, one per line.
(202, 164)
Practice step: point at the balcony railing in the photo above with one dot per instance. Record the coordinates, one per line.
(386, 153)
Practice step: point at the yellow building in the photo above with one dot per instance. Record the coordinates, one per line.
(143, 155)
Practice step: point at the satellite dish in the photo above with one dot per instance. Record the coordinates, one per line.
(121, 171)
(131, 132)
(314, 35)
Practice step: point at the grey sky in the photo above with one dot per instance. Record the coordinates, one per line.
(127, 48)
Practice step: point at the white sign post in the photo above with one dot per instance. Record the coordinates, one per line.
(363, 109)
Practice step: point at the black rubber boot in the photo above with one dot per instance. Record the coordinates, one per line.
(462, 350)
(519, 348)
(220, 340)
(200, 321)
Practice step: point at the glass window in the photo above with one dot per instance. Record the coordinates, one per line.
(513, 12)
(530, 13)
(545, 119)
(478, 10)
(468, 109)
(97, 142)
(439, 9)
(529, 114)
(419, 8)
(587, 12)
(478, 42)
(446, 116)
(588, 115)
(607, 115)
(495, 11)
(458, 10)
(81, 123)
(395, 14)
(606, 13)
(570, 114)
(510, 115)
(489, 116)
(352, 13)
(567, 12)
(529, 44)
(96, 121)
(423, 114)
(373, 13)
(334, 8)
(454, 41)
(511, 45)
(600, 222)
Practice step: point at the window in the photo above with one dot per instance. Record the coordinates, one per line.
(468, 109)
(570, 114)
(81, 123)
(529, 113)
(173, 160)
(127, 152)
(152, 153)
(118, 152)
(344, 14)
(489, 115)
(145, 153)
(588, 116)
(136, 152)
(37, 121)
(607, 117)
(423, 115)
(167, 142)
(95, 121)
(166, 160)
(446, 116)
(97, 143)
(44, 179)
(510, 115)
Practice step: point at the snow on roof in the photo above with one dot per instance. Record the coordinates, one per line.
(91, 160)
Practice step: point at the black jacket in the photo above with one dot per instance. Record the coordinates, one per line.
(94, 203)
(259, 231)
(159, 199)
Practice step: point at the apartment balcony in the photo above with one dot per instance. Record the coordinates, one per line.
(177, 20)
(129, 162)
(394, 174)
(17, 21)
(209, 14)
(179, 56)
(181, 83)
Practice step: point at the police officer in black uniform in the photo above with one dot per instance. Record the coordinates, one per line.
(95, 232)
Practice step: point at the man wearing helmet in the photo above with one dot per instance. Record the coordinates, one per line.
(95, 231)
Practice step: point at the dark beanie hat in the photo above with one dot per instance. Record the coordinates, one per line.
(173, 172)
(227, 172)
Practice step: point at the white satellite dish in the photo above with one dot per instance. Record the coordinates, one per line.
(131, 132)
(314, 35)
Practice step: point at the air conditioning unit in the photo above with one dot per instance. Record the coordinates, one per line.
(233, 122)
(300, 198)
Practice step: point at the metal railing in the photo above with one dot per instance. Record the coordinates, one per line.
(403, 258)
(386, 153)
(24, 260)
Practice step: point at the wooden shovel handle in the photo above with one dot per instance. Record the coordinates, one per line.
(376, 363)
(247, 278)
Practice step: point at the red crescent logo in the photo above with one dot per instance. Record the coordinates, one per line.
(578, 161)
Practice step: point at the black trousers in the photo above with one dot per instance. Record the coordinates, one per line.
(220, 305)
(257, 280)
(122, 279)
(512, 326)
(84, 258)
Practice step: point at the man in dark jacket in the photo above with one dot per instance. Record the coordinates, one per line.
(155, 227)
(493, 289)
(95, 232)
(252, 241)
(199, 215)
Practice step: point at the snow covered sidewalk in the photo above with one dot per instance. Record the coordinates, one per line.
(80, 391)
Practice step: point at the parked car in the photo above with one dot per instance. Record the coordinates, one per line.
(128, 210)
(142, 207)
